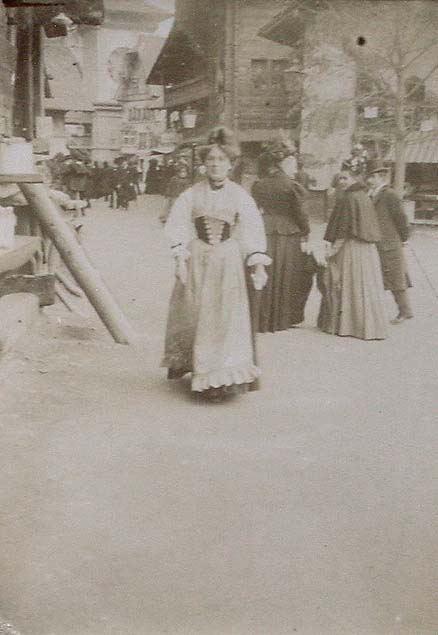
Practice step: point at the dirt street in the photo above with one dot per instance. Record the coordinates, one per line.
(130, 508)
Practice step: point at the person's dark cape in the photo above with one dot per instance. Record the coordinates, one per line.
(354, 216)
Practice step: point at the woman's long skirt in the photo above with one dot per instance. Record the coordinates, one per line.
(209, 327)
(290, 280)
(352, 293)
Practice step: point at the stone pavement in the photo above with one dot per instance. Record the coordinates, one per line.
(128, 508)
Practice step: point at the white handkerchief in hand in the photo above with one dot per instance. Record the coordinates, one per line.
(259, 278)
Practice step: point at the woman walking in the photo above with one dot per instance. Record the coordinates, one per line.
(287, 227)
(353, 295)
(216, 233)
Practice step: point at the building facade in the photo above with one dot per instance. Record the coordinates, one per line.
(365, 79)
(84, 72)
(7, 69)
(143, 115)
(215, 68)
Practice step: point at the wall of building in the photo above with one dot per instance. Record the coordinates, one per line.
(261, 101)
(107, 126)
(7, 68)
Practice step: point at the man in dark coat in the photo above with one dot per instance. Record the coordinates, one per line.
(394, 227)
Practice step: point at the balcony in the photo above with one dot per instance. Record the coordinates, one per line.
(187, 92)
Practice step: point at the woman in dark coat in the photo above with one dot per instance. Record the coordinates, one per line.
(153, 177)
(287, 227)
(352, 295)
(106, 180)
(125, 187)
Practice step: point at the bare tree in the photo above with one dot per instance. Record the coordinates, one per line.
(394, 49)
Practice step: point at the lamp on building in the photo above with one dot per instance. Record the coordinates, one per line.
(188, 118)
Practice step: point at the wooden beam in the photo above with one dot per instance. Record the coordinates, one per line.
(87, 277)
(41, 285)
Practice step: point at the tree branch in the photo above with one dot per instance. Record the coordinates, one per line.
(421, 52)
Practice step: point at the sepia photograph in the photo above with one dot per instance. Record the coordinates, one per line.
(219, 317)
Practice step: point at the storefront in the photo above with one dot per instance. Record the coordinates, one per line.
(421, 176)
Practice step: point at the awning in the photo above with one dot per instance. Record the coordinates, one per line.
(180, 55)
(162, 150)
(421, 147)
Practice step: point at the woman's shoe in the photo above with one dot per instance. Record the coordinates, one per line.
(177, 373)
(401, 318)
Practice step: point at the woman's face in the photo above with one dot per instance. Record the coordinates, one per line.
(182, 171)
(218, 164)
(345, 179)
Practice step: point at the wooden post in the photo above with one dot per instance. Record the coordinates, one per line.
(84, 273)
(24, 84)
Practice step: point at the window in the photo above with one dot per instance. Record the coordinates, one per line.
(144, 140)
(268, 75)
(259, 75)
(277, 74)
(129, 137)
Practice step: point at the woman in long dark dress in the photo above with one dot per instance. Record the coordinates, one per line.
(287, 227)
(353, 296)
(153, 176)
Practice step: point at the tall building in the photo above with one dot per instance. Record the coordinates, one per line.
(215, 68)
(84, 79)
(143, 119)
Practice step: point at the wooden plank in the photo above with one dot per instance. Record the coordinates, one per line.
(42, 286)
(24, 249)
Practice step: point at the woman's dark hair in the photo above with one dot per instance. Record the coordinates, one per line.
(224, 139)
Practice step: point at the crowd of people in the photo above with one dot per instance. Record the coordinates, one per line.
(246, 263)
(80, 178)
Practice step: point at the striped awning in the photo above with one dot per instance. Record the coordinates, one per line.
(421, 147)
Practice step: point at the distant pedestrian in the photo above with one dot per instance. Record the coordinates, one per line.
(125, 186)
(177, 184)
(114, 177)
(394, 227)
(153, 178)
(75, 176)
(352, 287)
(106, 180)
(287, 227)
